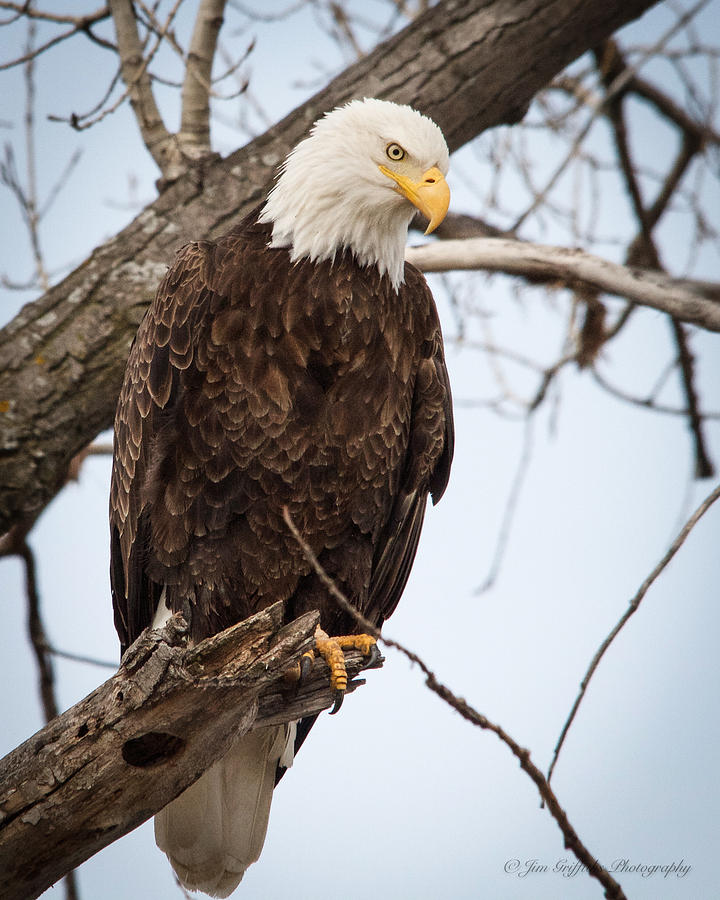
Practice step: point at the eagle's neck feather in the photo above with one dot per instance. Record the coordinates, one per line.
(317, 216)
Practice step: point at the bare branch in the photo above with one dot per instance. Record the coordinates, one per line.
(36, 51)
(32, 213)
(26, 10)
(618, 85)
(156, 137)
(194, 134)
(80, 24)
(646, 402)
(643, 249)
(81, 121)
(568, 266)
(81, 658)
(632, 608)
(704, 467)
(15, 543)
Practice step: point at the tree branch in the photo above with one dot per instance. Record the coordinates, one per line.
(569, 266)
(632, 608)
(62, 358)
(142, 737)
(643, 250)
(156, 137)
(571, 838)
(194, 134)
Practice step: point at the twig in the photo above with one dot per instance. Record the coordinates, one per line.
(646, 402)
(39, 642)
(36, 633)
(76, 120)
(704, 467)
(80, 658)
(571, 838)
(632, 608)
(27, 11)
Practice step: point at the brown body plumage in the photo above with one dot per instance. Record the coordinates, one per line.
(254, 384)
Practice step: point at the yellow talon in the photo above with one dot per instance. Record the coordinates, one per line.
(331, 650)
(363, 642)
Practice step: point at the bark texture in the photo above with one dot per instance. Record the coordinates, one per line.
(689, 300)
(121, 754)
(470, 65)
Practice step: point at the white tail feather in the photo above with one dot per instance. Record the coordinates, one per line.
(214, 830)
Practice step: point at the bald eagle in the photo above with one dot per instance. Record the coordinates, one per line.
(296, 362)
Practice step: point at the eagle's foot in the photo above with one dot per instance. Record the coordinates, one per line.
(331, 650)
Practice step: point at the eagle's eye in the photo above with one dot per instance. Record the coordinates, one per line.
(395, 152)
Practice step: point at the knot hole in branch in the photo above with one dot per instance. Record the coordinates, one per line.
(151, 748)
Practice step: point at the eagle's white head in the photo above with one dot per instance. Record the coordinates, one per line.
(355, 183)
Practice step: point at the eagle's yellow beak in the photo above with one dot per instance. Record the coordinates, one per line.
(431, 194)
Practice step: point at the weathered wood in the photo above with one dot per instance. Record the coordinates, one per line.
(570, 266)
(137, 741)
(470, 65)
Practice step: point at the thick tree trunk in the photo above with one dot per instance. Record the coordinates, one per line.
(121, 754)
(468, 64)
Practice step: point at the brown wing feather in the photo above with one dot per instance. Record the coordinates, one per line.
(254, 384)
(427, 469)
(159, 352)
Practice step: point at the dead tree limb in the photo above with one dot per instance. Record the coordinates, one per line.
(136, 742)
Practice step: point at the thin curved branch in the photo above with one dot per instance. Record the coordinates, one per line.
(79, 24)
(632, 608)
(572, 840)
(645, 402)
(511, 505)
(26, 10)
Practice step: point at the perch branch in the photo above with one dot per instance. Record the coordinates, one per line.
(136, 742)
